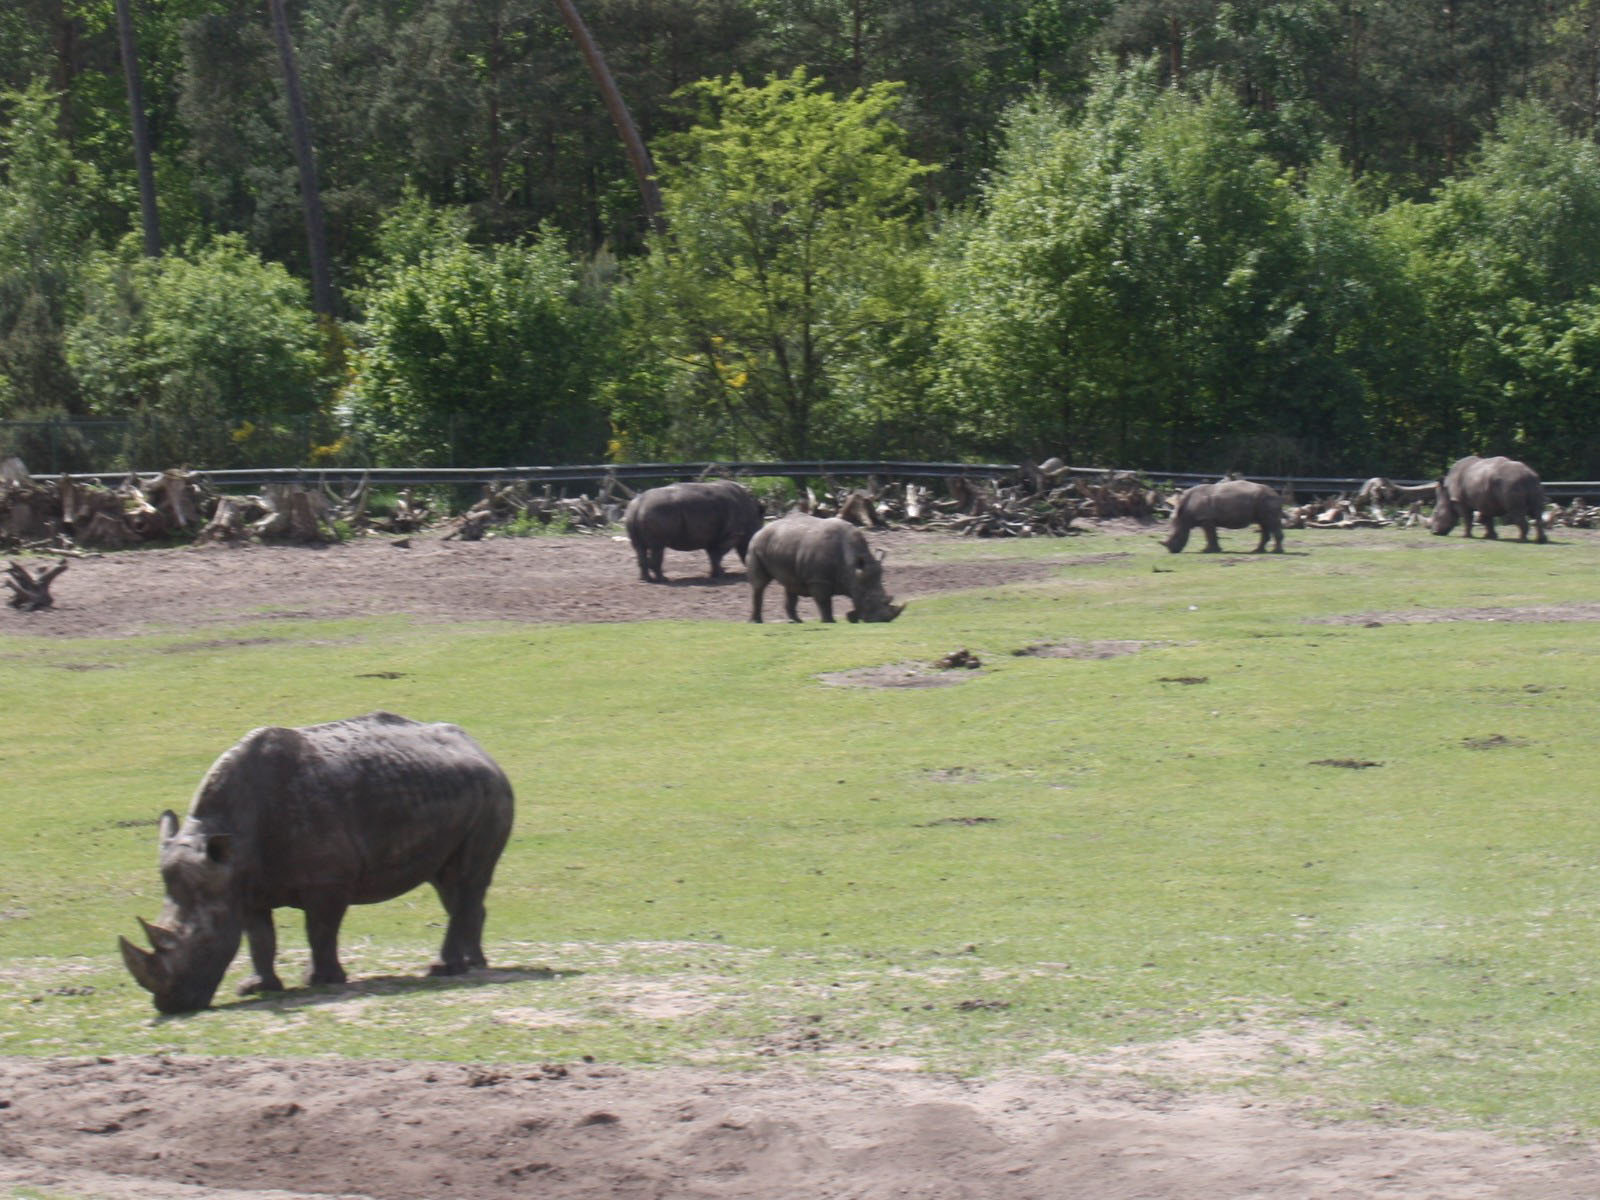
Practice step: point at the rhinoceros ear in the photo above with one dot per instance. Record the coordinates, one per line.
(167, 826)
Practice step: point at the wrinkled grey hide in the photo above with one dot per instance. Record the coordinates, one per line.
(320, 818)
(716, 517)
(820, 558)
(1231, 504)
(1493, 488)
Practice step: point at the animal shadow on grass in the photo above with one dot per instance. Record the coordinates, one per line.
(726, 579)
(395, 985)
(1233, 558)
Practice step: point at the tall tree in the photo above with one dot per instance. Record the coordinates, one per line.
(149, 217)
(47, 205)
(638, 156)
(306, 162)
(1127, 294)
(1509, 264)
(790, 251)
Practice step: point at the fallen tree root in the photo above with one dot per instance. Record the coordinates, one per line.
(31, 591)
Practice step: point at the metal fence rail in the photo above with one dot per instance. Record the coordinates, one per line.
(649, 473)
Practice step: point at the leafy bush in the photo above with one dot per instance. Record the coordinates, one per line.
(478, 357)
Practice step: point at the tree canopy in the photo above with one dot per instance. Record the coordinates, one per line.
(1268, 235)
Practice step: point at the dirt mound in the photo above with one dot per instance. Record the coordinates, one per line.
(211, 1129)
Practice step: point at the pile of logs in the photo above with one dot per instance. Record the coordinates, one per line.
(1043, 501)
(1577, 514)
(518, 504)
(67, 516)
(1380, 503)
(1040, 500)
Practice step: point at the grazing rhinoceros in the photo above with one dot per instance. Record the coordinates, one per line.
(1491, 487)
(1231, 504)
(716, 516)
(820, 558)
(320, 818)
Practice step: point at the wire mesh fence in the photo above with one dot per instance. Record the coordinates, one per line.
(148, 442)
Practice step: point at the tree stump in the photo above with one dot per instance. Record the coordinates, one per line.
(32, 590)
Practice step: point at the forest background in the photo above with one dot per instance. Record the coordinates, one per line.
(1305, 236)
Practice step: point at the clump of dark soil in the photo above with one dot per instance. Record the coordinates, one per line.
(1494, 741)
(1075, 648)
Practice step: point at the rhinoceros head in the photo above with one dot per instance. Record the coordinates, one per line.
(200, 926)
(1443, 519)
(876, 607)
(872, 603)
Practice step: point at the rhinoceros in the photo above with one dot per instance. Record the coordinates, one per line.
(320, 818)
(1231, 504)
(1490, 487)
(821, 558)
(715, 516)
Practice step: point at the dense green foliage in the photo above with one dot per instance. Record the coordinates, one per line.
(1270, 235)
(787, 266)
(476, 354)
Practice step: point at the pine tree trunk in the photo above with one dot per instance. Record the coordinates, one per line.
(149, 216)
(638, 155)
(310, 193)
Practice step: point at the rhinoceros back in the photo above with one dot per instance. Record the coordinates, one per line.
(800, 551)
(367, 807)
(693, 516)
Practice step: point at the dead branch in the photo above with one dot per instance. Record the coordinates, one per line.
(31, 590)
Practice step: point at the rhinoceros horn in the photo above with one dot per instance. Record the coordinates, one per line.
(160, 936)
(145, 967)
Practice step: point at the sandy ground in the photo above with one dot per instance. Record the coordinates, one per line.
(578, 578)
(171, 1129)
(209, 1129)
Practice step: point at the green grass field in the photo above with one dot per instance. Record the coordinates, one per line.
(721, 859)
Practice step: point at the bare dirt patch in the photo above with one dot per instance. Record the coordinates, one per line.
(541, 579)
(225, 1129)
(896, 675)
(1431, 616)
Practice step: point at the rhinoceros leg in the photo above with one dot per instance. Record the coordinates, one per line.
(322, 933)
(758, 579)
(791, 606)
(1212, 545)
(462, 948)
(263, 939)
(1489, 530)
(1270, 534)
(656, 555)
(823, 595)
